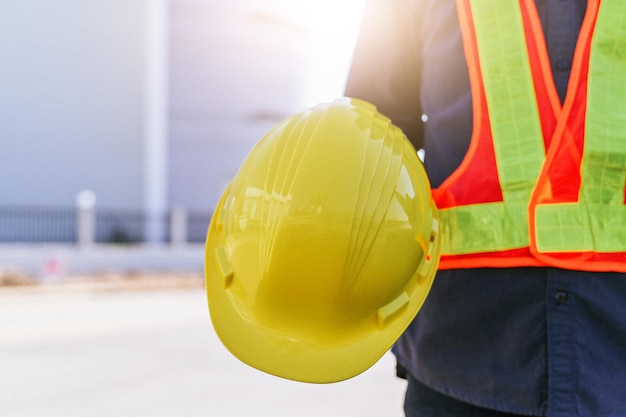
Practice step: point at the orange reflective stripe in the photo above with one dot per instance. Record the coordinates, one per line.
(484, 223)
(548, 100)
(509, 205)
(578, 216)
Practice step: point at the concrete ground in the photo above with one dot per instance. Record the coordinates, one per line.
(131, 348)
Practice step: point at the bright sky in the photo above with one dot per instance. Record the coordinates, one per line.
(334, 27)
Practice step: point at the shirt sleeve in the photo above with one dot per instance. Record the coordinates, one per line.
(386, 66)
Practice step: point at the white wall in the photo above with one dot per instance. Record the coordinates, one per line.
(237, 69)
(71, 101)
(85, 105)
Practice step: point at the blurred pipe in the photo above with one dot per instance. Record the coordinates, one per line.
(85, 218)
(156, 122)
(178, 226)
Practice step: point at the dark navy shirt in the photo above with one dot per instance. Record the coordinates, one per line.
(534, 341)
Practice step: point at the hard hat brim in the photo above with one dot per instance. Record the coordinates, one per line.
(287, 356)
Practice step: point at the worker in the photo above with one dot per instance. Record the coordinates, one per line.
(519, 107)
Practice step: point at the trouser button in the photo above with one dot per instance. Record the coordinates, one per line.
(560, 297)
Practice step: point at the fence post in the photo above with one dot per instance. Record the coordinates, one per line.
(178, 226)
(85, 217)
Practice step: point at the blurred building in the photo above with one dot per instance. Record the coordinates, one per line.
(153, 104)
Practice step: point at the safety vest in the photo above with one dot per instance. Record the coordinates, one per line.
(541, 184)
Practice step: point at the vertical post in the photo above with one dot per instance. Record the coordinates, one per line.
(85, 218)
(156, 122)
(178, 226)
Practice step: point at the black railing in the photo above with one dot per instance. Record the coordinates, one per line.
(197, 226)
(37, 224)
(23, 224)
(121, 226)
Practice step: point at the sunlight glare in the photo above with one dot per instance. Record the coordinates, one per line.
(333, 28)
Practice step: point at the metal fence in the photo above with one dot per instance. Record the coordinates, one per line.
(197, 226)
(23, 224)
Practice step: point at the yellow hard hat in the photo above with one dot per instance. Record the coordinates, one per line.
(323, 247)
